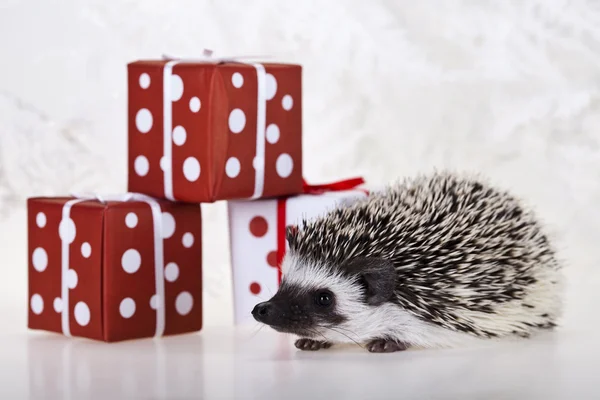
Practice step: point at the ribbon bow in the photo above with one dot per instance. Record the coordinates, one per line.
(347, 184)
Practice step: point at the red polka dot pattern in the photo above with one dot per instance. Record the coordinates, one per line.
(255, 288)
(259, 226)
(272, 259)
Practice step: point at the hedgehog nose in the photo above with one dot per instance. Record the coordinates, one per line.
(261, 311)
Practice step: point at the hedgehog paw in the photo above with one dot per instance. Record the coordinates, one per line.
(385, 346)
(311, 345)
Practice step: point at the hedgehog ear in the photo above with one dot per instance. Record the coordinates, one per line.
(378, 277)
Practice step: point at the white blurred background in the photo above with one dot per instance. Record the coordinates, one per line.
(391, 88)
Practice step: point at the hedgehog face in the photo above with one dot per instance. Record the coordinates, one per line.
(299, 310)
(316, 298)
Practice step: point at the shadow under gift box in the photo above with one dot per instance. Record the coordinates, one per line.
(93, 268)
(206, 131)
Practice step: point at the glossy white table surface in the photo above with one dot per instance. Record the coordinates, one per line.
(231, 363)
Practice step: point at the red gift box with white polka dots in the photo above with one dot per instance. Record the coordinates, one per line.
(257, 235)
(114, 270)
(208, 131)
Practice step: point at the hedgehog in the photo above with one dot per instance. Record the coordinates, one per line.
(435, 260)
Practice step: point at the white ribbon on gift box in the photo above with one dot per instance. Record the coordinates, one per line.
(159, 258)
(261, 119)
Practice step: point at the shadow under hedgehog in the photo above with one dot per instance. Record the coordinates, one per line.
(433, 261)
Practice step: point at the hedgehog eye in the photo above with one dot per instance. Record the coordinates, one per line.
(324, 299)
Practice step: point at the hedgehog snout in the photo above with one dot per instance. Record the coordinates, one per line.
(280, 315)
(263, 311)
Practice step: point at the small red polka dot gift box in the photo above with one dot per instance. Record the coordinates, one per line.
(208, 130)
(114, 269)
(257, 237)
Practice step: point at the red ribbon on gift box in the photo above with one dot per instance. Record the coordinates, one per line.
(339, 186)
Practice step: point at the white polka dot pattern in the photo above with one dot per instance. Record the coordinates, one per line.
(284, 165)
(237, 120)
(72, 279)
(131, 243)
(176, 87)
(272, 133)
(191, 169)
(154, 301)
(143, 120)
(168, 225)
(40, 220)
(287, 102)
(58, 305)
(37, 304)
(86, 250)
(144, 81)
(257, 162)
(232, 167)
(164, 165)
(39, 259)
(184, 303)
(82, 313)
(171, 272)
(141, 165)
(191, 130)
(127, 307)
(237, 80)
(187, 240)
(131, 220)
(179, 135)
(131, 261)
(271, 86)
(195, 104)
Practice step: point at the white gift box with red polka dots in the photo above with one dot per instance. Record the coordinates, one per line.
(257, 232)
(202, 131)
(114, 270)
